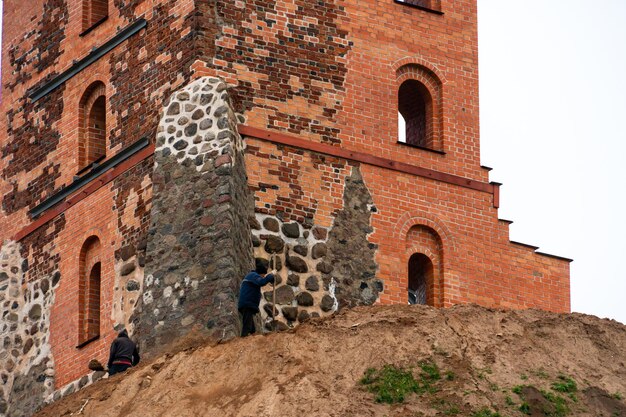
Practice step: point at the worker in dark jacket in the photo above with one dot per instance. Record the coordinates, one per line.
(123, 355)
(250, 295)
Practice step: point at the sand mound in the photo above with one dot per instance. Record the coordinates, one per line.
(489, 361)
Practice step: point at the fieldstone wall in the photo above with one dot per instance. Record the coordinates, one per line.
(198, 246)
(26, 363)
(350, 254)
(129, 278)
(304, 287)
(320, 269)
(74, 386)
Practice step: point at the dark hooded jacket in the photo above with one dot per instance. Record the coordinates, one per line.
(250, 291)
(123, 349)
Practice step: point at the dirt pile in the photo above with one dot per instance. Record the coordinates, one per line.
(467, 361)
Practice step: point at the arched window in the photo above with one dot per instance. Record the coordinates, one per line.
(415, 108)
(92, 309)
(420, 278)
(420, 107)
(90, 278)
(92, 125)
(94, 11)
(424, 250)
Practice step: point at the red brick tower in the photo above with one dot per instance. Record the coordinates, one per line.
(153, 148)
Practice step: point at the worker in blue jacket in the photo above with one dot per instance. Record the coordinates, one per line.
(250, 295)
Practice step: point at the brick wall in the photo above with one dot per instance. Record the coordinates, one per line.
(42, 39)
(41, 154)
(93, 12)
(455, 226)
(326, 72)
(349, 97)
(334, 71)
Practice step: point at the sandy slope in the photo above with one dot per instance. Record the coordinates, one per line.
(314, 370)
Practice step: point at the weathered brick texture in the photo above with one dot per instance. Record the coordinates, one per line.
(317, 183)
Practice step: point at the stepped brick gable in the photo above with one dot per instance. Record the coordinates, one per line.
(152, 149)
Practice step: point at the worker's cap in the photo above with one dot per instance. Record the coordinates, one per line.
(260, 266)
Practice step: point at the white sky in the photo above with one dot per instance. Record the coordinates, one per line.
(553, 109)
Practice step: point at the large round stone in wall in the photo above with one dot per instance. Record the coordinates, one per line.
(312, 283)
(284, 295)
(271, 224)
(304, 299)
(319, 250)
(274, 244)
(291, 230)
(297, 264)
(290, 313)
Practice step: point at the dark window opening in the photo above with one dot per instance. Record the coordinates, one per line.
(91, 324)
(415, 114)
(92, 126)
(89, 289)
(420, 278)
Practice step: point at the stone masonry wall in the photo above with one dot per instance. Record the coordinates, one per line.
(198, 245)
(132, 202)
(26, 363)
(320, 268)
(355, 275)
(298, 255)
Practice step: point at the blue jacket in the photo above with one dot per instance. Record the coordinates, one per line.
(250, 291)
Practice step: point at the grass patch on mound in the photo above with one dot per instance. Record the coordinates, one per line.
(446, 407)
(565, 384)
(525, 408)
(559, 405)
(518, 389)
(485, 412)
(549, 403)
(391, 384)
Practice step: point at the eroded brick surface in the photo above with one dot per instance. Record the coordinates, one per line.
(286, 54)
(42, 46)
(150, 67)
(179, 229)
(33, 139)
